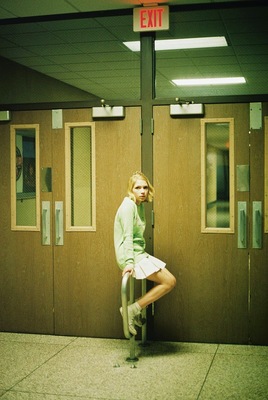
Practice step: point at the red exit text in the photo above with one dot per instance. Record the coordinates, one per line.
(150, 19)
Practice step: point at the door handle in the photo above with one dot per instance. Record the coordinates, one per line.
(45, 223)
(59, 223)
(242, 225)
(256, 224)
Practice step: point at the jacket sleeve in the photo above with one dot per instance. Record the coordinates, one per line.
(127, 216)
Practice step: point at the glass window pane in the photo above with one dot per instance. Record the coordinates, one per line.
(80, 180)
(217, 177)
(25, 177)
(217, 139)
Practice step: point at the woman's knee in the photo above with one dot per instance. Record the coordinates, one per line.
(171, 279)
(165, 278)
(172, 282)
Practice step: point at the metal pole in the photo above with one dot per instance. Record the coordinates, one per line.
(143, 314)
(132, 356)
(147, 70)
(124, 299)
(125, 303)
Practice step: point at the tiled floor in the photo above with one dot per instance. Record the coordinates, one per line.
(35, 367)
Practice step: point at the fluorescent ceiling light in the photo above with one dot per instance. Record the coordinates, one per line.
(209, 81)
(180, 44)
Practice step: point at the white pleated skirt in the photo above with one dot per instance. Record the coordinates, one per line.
(147, 266)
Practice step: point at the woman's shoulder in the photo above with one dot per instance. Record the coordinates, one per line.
(127, 202)
(127, 205)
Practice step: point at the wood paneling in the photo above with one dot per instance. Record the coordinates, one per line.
(87, 279)
(72, 289)
(258, 317)
(75, 289)
(210, 302)
(26, 268)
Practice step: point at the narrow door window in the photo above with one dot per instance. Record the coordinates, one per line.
(217, 183)
(80, 176)
(24, 158)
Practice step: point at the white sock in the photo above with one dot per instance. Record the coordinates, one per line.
(136, 308)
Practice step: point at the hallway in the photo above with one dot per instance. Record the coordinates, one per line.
(70, 368)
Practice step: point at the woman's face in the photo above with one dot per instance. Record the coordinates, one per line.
(140, 191)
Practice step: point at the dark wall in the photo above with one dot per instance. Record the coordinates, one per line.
(20, 85)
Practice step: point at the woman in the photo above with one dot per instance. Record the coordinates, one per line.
(130, 251)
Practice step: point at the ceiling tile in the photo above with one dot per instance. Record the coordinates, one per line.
(88, 52)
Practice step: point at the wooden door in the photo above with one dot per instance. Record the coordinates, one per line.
(258, 276)
(87, 279)
(26, 266)
(71, 288)
(220, 287)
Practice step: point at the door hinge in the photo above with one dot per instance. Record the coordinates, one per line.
(152, 126)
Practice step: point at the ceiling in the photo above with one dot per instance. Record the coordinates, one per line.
(79, 42)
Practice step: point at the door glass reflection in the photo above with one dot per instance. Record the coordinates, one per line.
(24, 159)
(217, 175)
(217, 191)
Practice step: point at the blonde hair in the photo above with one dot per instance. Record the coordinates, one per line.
(131, 183)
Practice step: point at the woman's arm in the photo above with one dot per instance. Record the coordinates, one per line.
(127, 214)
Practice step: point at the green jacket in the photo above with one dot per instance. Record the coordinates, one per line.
(129, 226)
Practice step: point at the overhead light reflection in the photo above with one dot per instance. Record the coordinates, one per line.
(180, 44)
(209, 81)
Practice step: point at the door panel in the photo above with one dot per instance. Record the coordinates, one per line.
(26, 268)
(87, 280)
(258, 318)
(74, 288)
(211, 302)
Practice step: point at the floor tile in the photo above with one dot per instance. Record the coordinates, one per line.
(241, 377)
(242, 349)
(164, 348)
(44, 367)
(37, 396)
(18, 359)
(78, 371)
(33, 338)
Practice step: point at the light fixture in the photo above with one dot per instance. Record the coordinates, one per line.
(180, 44)
(187, 109)
(108, 112)
(209, 81)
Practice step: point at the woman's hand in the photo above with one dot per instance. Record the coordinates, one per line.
(128, 268)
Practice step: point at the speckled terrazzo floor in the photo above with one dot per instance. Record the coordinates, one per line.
(38, 367)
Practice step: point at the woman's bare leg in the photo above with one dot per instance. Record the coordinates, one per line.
(165, 282)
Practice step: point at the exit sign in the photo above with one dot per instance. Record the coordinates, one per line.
(151, 19)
